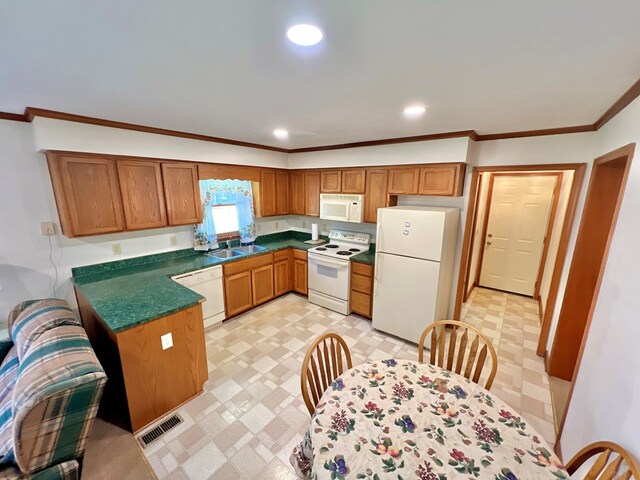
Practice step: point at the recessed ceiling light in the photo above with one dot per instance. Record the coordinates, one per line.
(304, 34)
(281, 133)
(414, 110)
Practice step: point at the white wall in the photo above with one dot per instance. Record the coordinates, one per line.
(554, 240)
(606, 399)
(478, 241)
(434, 151)
(51, 134)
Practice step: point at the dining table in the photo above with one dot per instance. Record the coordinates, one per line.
(402, 419)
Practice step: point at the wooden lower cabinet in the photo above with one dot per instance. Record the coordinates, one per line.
(300, 271)
(237, 293)
(361, 289)
(145, 380)
(262, 284)
(282, 274)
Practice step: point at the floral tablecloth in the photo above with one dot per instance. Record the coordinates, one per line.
(401, 419)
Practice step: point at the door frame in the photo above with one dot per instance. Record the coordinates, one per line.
(552, 215)
(465, 259)
(625, 152)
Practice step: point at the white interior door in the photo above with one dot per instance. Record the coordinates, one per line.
(516, 230)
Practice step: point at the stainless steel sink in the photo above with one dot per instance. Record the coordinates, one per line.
(226, 253)
(250, 249)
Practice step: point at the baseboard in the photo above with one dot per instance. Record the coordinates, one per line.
(540, 309)
(558, 449)
(546, 360)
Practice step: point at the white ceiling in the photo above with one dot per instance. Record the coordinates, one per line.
(224, 67)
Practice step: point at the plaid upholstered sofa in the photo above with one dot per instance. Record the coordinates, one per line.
(50, 389)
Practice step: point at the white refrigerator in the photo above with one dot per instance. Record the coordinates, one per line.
(415, 248)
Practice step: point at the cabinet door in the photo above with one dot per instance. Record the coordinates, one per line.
(300, 276)
(360, 303)
(376, 194)
(182, 193)
(353, 181)
(142, 194)
(297, 193)
(440, 180)
(267, 193)
(237, 293)
(330, 181)
(312, 193)
(282, 277)
(282, 192)
(262, 284)
(87, 194)
(403, 181)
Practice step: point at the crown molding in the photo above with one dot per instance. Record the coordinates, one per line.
(629, 96)
(32, 112)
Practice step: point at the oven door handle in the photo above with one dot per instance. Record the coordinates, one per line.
(332, 263)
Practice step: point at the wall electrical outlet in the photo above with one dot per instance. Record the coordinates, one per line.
(173, 240)
(304, 224)
(167, 341)
(48, 228)
(116, 248)
(276, 225)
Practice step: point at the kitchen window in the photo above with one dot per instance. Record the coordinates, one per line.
(225, 218)
(227, 212)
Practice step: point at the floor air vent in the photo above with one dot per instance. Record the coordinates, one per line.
(155, 433)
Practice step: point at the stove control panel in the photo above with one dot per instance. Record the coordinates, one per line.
(351, 237)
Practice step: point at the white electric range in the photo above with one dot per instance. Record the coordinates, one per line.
(330, 269)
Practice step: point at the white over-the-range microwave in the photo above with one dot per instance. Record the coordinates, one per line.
(342, 208)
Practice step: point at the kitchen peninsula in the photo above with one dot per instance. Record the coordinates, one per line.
(127, 306)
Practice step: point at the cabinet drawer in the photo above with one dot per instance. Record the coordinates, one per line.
(361, 283)
(361, 303)
(362, 269)
(299, 254)
(247, 264)
(281, 255)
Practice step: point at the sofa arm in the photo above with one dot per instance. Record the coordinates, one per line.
(56, 399)
(5, 346)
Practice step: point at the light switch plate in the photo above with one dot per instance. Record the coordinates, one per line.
(167, 341)
(173, 240)
(47, 228)
(116, 249)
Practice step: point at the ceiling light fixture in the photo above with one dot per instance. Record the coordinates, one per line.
(281, 133)
(304, 34)
(414, 110)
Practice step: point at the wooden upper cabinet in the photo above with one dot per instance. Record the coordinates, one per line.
(282, 192)
(446, 180)
(312, 193)
(182, 193)
(142, 194)
(353, 181)
(376, 193)
(87, 194)
(297, 193)
(403, 181)
(331, 181)
(267, 202)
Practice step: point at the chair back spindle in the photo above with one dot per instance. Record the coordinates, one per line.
(327, 358)
(450, 349)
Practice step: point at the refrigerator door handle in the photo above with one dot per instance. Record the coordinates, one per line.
(376, 273)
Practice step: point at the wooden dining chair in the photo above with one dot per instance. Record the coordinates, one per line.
(322, 364)
(455, 354)
(606, 466)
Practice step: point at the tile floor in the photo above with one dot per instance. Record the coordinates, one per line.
(251, 413)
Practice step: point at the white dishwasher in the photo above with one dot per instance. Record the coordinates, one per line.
(208, 283)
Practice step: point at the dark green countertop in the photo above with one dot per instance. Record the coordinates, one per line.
(131, 292)
(366, 257)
